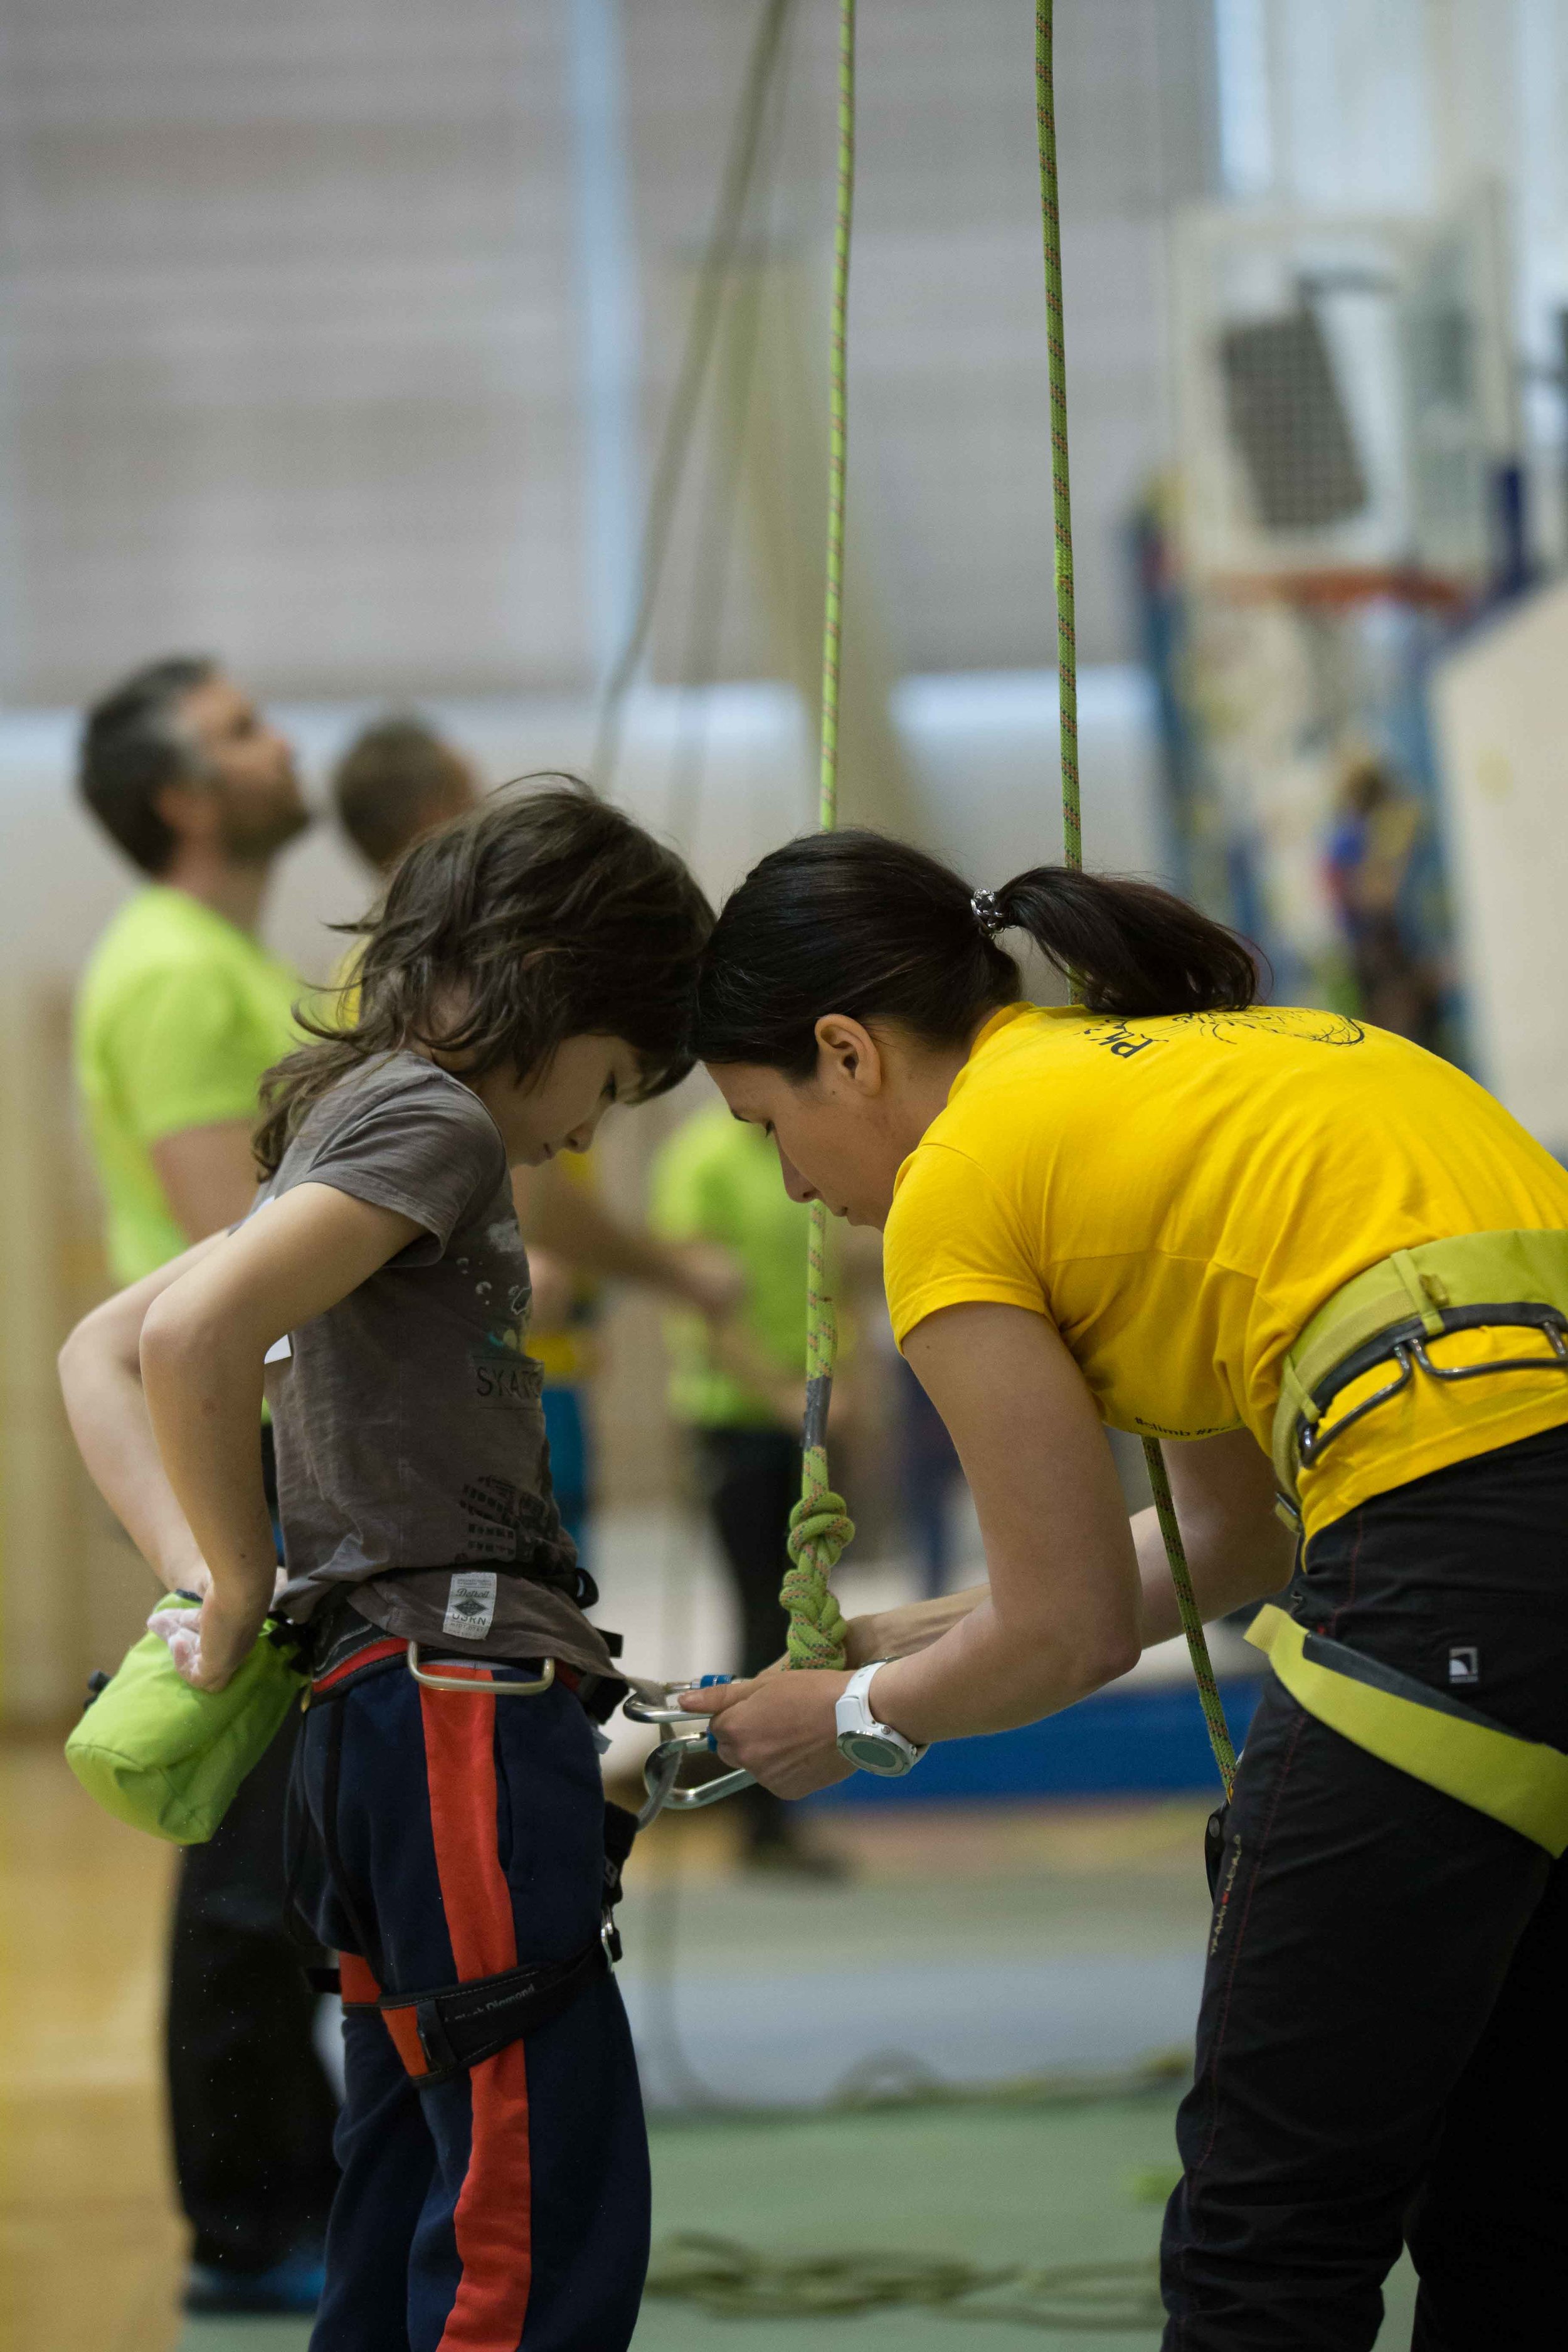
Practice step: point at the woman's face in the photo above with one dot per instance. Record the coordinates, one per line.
(843, 1134)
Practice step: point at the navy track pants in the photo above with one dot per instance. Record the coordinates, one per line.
(441, 1837)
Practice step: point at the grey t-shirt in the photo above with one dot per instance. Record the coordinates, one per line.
(411, 1461)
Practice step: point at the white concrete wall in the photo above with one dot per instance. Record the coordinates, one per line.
(982, 749)
(290, 352)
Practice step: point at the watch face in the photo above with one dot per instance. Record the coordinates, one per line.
(871, 1754)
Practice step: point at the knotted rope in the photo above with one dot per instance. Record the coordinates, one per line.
(819, 1525)
(1072, 828)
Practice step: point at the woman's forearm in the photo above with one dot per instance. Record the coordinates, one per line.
(1229, 1567)
(899, 1633)
(983, 1674)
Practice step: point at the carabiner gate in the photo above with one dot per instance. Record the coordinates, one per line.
(661, 1772)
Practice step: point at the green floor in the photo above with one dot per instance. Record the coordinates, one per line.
(1038, 2187)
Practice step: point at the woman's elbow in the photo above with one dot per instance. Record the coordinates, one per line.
(1106, 1659)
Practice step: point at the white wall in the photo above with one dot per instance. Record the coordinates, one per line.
(1500, 713)
(983, 750)
(291, 359)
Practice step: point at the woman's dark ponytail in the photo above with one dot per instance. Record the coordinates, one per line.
(854, 922)
(1133, 949)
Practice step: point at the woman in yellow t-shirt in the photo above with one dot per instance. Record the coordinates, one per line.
(1273, 1237)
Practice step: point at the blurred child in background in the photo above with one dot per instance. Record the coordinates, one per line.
(738, 1384)
(397, 781)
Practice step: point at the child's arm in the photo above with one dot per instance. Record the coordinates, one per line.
(101, 1378)
(201, 1339)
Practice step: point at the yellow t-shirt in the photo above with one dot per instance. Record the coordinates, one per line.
(1180, 1195)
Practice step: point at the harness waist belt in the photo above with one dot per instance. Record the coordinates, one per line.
(1390, 1312)
(1520, 1782)
(442, 2033)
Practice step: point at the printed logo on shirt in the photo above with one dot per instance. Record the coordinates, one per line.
(1465, 1663)
(470, 1605)
(503, 1523)
(505, 1379)
(1298, 1025)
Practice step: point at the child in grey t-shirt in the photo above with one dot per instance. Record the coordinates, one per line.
(532, 963)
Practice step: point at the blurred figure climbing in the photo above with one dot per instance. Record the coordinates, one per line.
(1373, 857)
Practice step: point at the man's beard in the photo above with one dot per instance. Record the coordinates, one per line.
(254, 834)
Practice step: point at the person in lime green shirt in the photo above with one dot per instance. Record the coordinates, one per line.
(180, 1009)
(738, 1385)
(180, 1012)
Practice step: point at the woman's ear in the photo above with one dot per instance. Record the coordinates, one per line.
(848, 1055)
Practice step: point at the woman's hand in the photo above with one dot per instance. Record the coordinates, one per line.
(780, 1728)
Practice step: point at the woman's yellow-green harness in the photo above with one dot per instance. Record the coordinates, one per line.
(1390, 1316)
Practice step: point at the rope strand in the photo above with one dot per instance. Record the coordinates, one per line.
(819, 1525)
(1072, 824)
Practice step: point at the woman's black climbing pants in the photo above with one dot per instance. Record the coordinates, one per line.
(1382, 2049)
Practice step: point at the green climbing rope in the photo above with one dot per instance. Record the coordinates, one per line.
(819, 1525)
(1072, 824)
(729, 2280)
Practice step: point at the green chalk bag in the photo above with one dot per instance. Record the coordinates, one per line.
(168, 1759)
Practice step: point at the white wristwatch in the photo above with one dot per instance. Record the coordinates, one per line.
(862, 1741)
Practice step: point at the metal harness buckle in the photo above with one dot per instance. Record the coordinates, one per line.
(1405, 1345)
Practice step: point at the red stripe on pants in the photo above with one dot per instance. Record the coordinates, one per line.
(494, 2217)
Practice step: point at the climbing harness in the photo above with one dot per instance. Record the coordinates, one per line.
(1072, 824)
(485, 1686)
(442, 2031)
(1438, 1740)
(1391, 1313)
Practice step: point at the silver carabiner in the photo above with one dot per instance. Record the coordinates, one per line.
(662, 1770)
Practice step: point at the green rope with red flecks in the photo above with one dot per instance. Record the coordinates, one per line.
(819, 1525)
(1072, 827)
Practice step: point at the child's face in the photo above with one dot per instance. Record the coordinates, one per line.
(559, 1108)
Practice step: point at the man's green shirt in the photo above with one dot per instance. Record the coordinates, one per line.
(178, 1015)
(718, 1181)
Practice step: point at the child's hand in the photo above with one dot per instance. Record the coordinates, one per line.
(208, 1645)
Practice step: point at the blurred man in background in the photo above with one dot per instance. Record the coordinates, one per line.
(399, 779)
(180, 1012)
(738, 1385)
(396, 782)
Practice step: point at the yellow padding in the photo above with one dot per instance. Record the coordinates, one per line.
(1520, 1782)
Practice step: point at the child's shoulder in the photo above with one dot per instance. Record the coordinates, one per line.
(390, 1097)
